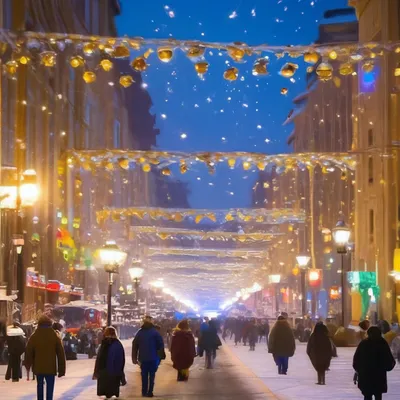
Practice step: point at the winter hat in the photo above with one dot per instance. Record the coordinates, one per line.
(15, 331)
(45, 320)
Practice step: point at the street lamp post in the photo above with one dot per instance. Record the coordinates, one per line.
(136, 274)
(303, 261)
(341, 236)
(111, 257)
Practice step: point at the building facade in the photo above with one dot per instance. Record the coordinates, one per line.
(377, 134)
(45, 114)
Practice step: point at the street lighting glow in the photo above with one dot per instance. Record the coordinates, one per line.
(341, 234)
(303, 261)
(111, 257)
(136, 272)
(29, 190)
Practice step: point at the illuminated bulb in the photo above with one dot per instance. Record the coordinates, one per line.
(146, 167)
(288, 70)
(231, 74)
(89, 77)
(195, 52)
(311, 58)
(260, 67)
(333, 55)
(126, 81)
(76, 61)
(106, 65)
(236, 53)
(24, 60)
(246, 165)
(165, 54)
(183, 136)
(324, 71)
(346, 69)
(121, 52)
(48, 58)
(368, 66)
(231, 162)
(11, 67)
(89, 48)
(166, 172)
(201, 67)
(397, 70)
(139, 64)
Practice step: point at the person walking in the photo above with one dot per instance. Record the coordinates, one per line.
(183, 350)
(110, 363)
(16, 347)
(45, 355)
(252, 334)
(146, 349)
(209, 342)
(372, 360)
(281, 344)
(319, 349)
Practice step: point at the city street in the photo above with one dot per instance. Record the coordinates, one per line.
(239, 374)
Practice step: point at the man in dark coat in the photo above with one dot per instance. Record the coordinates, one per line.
(319, 349)
(281, 344)
(372, 360)
(45, 355)
(16, 347)
(147, 348)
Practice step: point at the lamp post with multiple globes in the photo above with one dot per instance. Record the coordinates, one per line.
(111, 257)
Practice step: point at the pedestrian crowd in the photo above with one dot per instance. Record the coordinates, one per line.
(44, 354)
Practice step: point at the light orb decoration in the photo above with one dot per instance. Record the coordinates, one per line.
(311, 58)
(89, 77)
(165, 54)
(260, 67)
(201, 67)
(324, 71)
(288, 70)
(231, 74)
(139, 64)
(48, 58)
(106, 65)
(126, 81)
(76, 62)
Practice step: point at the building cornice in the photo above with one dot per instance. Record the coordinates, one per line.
(359, 5)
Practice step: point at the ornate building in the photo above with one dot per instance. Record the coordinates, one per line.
(46, 113)
(377, 136)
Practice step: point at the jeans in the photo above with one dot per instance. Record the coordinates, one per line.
(282, 363)
(50, 379)
(149, 369)
(377, 397)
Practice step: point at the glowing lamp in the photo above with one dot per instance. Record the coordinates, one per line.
(111, 257)
(341, 235)
(274, 278)
(136, 273)
(303, 261)
(334, 292)
(29, 190)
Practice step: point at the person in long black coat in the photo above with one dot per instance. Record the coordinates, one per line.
(110, 363)
(319, 349)
(16, 347)
(372, 360)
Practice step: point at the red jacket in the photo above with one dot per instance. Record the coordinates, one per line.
(183, 349)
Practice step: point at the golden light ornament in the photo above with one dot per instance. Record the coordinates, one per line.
(89, 48)
(260, 67)
(24, 59)
(201, 67)
(261, 166)
(146, 167)
(333, 55)
(11, 67)
(397, 70)
(121, 52)
(324, 71)
(126, 81)
(89, 77)
(288, 70)
(231, 74)
(48, 58)
(123, 163)
(166, 171)
(284, 91)
(195, 52)
(368, 66)
(76, 62)
(165, 54)
(183, 168)
(231, 162)
(346, 69)
(235, 53)
(246, 165)
(295, 271)
(310, 70)
(106, 65)
(311, 57)
(139, 64)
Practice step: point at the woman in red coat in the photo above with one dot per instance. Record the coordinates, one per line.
(183, 350)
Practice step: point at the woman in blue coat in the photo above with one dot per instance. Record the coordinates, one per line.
(110, 363)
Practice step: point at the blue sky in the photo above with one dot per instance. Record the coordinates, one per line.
(213, 114)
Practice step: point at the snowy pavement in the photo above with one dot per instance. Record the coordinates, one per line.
(300, 383)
